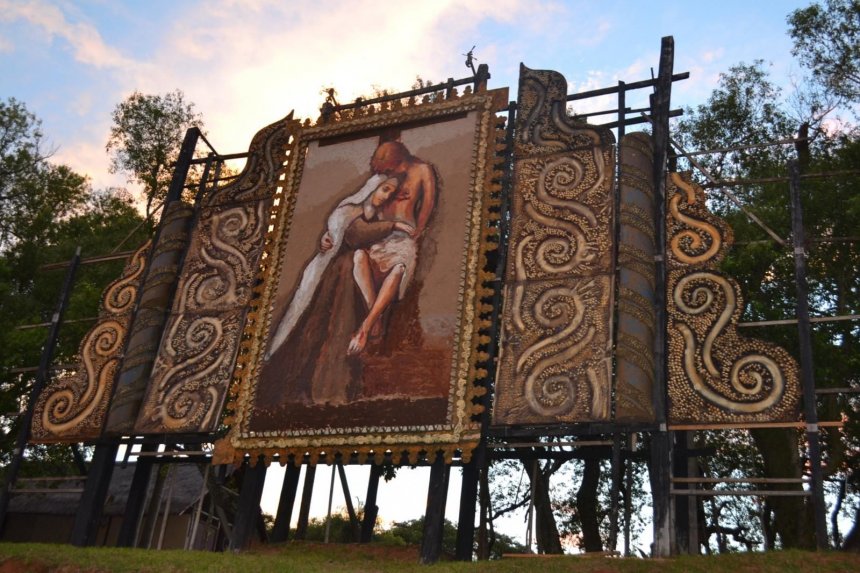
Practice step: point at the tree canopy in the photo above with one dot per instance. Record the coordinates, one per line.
(827, 41)
(145, 138)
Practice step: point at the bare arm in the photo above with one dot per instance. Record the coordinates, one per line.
(428, 186)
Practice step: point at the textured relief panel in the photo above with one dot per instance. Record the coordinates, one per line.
(369, 332)
(557, 322)
(73, 407)
(715, 375)
(636, 317)
(149, 318)
(197, 354)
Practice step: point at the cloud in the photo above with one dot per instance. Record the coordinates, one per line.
(85, 40)
(254, 62)
(249, 63)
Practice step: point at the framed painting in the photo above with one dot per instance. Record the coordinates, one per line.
(366, 334)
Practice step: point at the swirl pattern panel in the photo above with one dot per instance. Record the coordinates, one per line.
(73, 408)
(198, 351)
(557, 322)
(715, 375)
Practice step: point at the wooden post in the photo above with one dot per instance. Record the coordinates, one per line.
(661, 449)
(682, 502)
(281, 530)
(350, 510)
(473, 470)
(614, 491)
(42, 375)
(468, 499)
(371, 510)
(249, 505)
(92, 502)
(136, 498)
(807, 377)
(434, 516)
(305, 507)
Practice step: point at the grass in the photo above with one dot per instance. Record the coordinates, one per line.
(311, 557)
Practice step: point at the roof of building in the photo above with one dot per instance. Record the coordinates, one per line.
(183, 483)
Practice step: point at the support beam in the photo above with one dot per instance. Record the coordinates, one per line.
(281, 530)
(371, 510)
(807, 377)
(89, 514)
(136, 499)
(248, 510)
(468, 500)
(350, 510)
(660, 440)
(434, 516)
(305, 507)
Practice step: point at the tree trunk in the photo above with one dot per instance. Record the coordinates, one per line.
(546, 531)
(792, 516)
(587, 506)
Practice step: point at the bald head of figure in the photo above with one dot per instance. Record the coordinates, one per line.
(390, 158)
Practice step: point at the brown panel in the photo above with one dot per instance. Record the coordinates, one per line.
(636, 318)
(557, 322)
(309, 380)
(198, 351)
(149, 319)
(715, 375)
(73, 407)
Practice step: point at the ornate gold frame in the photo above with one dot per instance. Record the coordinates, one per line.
(462, 429)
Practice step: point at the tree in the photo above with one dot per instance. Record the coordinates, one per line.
(33, 192)
(827, 41)
(745, 109)
(145, 139)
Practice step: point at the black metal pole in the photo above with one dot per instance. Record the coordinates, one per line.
(472, 470)
(618, 466)
(248, 508)
(371, 510)
(136, 498)
(434, 516)
(807, 377)
(281, 530)
(353, 518)
(38, 384)
(89, 514)
(661, 449)
(305, 507)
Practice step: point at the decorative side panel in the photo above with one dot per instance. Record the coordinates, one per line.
(715, 375)
(73, 407)
(197, 354)
(149, 318)
(636, 317)
(556, 344)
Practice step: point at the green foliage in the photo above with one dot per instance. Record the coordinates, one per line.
(746, 109)
(146, 136)
(827, 41)
(34, 193)
(400, 534)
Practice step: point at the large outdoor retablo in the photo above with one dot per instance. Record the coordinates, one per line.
(365, 336)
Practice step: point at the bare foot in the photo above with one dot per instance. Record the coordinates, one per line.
(357, 343)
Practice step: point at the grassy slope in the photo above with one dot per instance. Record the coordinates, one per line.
(374, 558)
